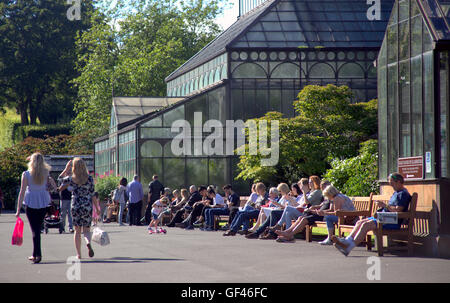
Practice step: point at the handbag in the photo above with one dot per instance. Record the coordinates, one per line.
(17, 237)
(100, 236)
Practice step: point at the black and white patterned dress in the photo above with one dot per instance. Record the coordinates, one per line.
(81, 205)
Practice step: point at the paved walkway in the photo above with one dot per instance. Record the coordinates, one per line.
(196, 256)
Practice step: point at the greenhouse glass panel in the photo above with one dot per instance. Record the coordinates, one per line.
(249, 70)
(151, 148)
(286, 70)
(197, 171)
(148, 168)
(174, 169)
(173, 115)
(351, 70)
(429, 108)
(321, 70)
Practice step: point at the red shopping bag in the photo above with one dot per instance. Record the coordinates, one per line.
(17, 237)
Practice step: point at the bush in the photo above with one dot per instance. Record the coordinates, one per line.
(105, 184)
(42, 131)
(357, 176)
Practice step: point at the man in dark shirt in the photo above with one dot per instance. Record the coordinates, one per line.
(233, 203)
(197, 209)
(193, 198)
(155, 190)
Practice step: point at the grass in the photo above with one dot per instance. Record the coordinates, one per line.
(7, 121)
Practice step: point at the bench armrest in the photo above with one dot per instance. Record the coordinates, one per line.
(343, 213)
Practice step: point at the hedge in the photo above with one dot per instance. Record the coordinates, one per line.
(20, 132)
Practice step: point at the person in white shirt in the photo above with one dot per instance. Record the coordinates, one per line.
(157, 208)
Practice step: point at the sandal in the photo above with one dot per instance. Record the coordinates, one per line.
(35, 259)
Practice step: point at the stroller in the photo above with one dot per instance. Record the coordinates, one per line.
(53, 218)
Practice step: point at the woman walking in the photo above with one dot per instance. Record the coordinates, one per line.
(34, 194)
(76, 175)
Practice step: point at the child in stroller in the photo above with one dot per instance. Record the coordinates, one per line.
(53, 218)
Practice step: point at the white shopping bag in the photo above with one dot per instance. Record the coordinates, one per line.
(100, 236)
(387, 217)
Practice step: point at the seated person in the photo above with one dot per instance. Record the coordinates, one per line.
(218, 204)
(197, 209)
(308, 217)
(251, 211)
(193, 198)
(311, 199)
(399, 202)
(276, 213)
(292, 212)
(265, 209)
(338, 201)
(232, 204)
(216, 198)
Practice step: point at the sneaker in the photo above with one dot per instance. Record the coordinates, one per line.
(209, 229)
(268, 236)
(151, 231)
(343, 245)
(327, 241)
(158, 231)
(243, 232)
(162, 230)
(189, 227)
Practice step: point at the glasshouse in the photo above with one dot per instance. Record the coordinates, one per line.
(413, 95)
(259, 64)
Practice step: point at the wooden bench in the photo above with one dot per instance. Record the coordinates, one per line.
(406, 228)
(225, 218)
(362, 208)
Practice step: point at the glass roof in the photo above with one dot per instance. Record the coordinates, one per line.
(130, 108)
(318, 23)
(300, 23)
(438, 14)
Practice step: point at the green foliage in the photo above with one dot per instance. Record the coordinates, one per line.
(357, 176)
(40, 131)
(13, 159)
(152, 42)
(105, 184)
(7, 121)
(37, 55)
(327, 127)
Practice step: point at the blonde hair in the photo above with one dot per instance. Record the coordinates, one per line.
(330, 191)
(283, 188)
(38, 168)
(176, 192)
(80, 173)
(260, 186)
(164, 200)
(184, 193)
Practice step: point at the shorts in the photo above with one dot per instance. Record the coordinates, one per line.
(386, 226)
(155, 216)
(313, 218)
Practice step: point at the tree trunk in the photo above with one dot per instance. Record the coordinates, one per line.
(23, 113)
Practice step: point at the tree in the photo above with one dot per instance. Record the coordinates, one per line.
(357, 176)
(151, 42)
(327, 127)
(37, 55)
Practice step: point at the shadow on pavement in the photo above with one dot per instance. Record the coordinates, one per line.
(114, 260)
